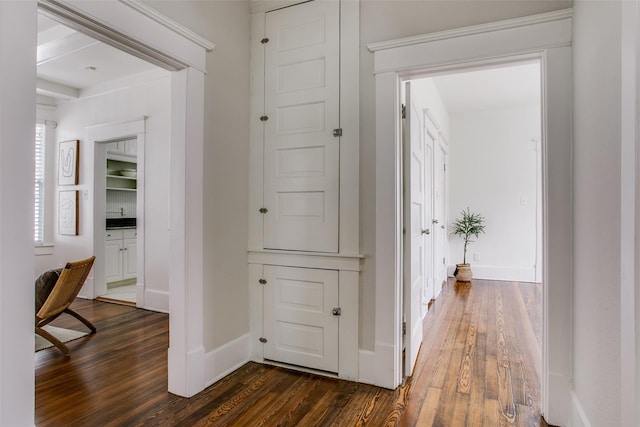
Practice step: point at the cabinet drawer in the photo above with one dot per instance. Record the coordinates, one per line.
(130, 233)
(113, 235)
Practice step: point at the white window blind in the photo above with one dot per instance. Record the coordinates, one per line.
(39, 185)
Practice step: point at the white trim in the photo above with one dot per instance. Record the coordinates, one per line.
(186, 222)
(139, 35)
(578, 416)
(97, 136)
(152, 299)
(224, 360)
(549, 41)
(170, 24)
(473, 30)
(375, 365)
(310, 260)
(629, 353)
(496, 272)
(489, 45)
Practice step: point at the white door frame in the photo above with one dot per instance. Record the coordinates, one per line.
(546, 37)
(99, 136)
(143, 32)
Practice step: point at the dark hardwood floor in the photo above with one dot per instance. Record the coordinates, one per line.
(479, 365)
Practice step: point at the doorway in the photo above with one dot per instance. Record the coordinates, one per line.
(471, 140)
(183, 53)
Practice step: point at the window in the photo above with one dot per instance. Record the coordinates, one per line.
(39, 185)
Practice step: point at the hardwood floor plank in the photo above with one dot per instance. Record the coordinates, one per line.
(478, 365)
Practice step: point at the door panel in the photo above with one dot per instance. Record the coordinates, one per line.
(414, 225)
(299, 324)
(440, 267)
(430, 136)
(301, 157)
(113, 260)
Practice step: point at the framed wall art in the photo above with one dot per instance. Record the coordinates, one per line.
(68, 212)
(68, 163)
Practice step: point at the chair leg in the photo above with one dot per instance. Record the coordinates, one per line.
(53, 340)
(82, 319)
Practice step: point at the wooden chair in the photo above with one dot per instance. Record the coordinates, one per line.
(62, 295)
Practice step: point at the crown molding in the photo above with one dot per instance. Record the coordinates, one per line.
(169, 23)
(473, 30)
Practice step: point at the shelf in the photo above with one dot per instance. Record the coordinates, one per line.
(122, 177)
(122, 189)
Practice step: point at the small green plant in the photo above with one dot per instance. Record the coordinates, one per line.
(470, 224)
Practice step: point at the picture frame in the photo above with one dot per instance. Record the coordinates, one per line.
(68, 160)
(68, 212)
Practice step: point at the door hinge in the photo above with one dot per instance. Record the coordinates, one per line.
(404, 111)
(264, 118)
(337, 311)
(404, 327)
(445, 167)
(337, 132)
(262, 282)
(443, 261)
(263, 210)
(262, 340)
(264, 40)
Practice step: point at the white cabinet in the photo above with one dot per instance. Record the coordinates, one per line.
(120, 255)
(301, 316)
(128, 147)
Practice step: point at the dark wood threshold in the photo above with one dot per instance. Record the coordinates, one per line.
(116, 301)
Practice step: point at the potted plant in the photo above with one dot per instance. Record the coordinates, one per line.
(467, 226)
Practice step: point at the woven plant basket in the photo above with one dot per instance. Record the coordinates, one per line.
(463, 273)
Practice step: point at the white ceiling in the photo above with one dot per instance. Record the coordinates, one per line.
(69, 62)
(508, 86)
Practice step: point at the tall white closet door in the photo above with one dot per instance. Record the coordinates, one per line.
(301, 153)
(439, 207)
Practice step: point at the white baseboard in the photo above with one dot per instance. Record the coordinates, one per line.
(156, 300)
(185, 373)
(578, 416)
(558, 403)
(494, 272)
(376, 367)
(224, 360)
(87, 290)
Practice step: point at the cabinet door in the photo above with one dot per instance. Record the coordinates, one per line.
(301, 157)
(129, 257)
(113, 260)
(299, 323)
(116, 147)
(131, 147)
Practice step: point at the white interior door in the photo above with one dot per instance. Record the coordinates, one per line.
(439, 219)
(300, 326)
(414, 226)
(430, 141)
(301, 157)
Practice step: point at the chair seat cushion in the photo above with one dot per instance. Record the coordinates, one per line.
(44, 284)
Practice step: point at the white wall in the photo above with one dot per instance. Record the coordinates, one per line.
(150, 97)
(226, 162)
(17, 120)
(492, 170)
(382, 20)
(596, 193)
(428, 97)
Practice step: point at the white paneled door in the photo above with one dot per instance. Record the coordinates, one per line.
(301, 153)
(414, 230)
(439, 218)
(300, 325)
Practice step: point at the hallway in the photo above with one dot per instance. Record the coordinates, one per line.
(479, 365)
